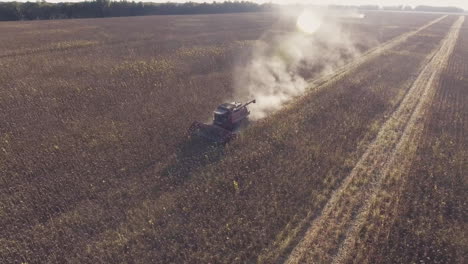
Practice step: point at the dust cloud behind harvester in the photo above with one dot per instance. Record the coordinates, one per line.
(281, 62)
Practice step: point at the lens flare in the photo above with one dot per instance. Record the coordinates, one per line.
(308, 22)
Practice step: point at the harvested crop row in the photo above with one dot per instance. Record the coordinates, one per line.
(405, 151)
(330, 235)
(385, 141)
(338, 220)
(420, 214)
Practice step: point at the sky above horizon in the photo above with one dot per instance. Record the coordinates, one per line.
(458, 3)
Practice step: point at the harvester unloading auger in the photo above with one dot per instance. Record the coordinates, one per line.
(227, 119)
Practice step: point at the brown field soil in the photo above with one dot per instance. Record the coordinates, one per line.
(96, 166)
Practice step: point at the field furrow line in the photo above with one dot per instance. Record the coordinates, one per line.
(332, 233)
(319, 82)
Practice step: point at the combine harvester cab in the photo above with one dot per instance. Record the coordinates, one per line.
(227, 119)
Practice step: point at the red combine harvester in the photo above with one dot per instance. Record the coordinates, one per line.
(227, 119)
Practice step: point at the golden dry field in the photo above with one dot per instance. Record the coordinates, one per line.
(365, 162)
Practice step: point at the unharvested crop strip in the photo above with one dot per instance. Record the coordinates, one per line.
(355, 195)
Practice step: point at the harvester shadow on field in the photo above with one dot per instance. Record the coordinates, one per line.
(196, 153)
(192, 154)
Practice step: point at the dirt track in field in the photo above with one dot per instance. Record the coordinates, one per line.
(333, 233)
(368, 55)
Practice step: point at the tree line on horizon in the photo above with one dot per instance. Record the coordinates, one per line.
(106, 8)
(40, 10)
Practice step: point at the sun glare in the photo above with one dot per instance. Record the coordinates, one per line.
(308, 22)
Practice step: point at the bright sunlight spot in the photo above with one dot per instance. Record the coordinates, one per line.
(308, 22)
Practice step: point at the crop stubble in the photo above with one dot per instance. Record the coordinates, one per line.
(419, 214)
(343, 215)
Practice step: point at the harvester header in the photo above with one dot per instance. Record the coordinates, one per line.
(227, 120)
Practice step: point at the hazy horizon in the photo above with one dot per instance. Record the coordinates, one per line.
(457, 3)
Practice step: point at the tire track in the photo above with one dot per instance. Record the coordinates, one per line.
(386, 204)
(333, 233)
(285, 241)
